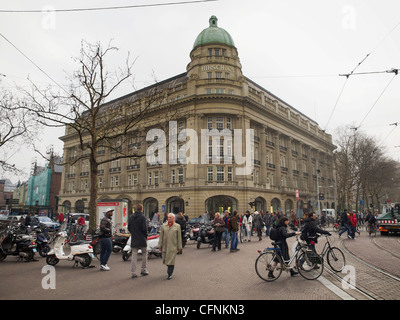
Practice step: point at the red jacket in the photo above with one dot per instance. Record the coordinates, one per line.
(353, 220)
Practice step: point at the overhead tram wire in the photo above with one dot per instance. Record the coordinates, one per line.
(358, 65)
(376, 101)
(109, 8)
(31, 61)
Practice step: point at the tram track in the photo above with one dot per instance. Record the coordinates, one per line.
(371, 272)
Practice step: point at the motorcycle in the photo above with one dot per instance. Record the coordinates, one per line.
(80, 251)
(206, 235)
(193, 232)
(152, 248)
(16, 244)
(119, 241)
(42, 238)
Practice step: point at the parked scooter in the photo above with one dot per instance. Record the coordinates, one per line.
(80, 251)
(119, 241)
(17, 244)
(42, 239)
(152, 248)
(206, 235)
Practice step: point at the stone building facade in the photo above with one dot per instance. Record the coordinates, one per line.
(291, 157)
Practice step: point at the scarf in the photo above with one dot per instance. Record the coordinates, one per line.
(170, 224)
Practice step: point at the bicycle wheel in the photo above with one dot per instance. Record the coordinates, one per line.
(310, 265)
(336, 259)
(372, 231)
(269, 266)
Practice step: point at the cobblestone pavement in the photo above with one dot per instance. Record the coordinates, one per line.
(199, 275)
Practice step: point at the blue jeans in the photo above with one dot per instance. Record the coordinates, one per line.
(267, 230)
(225, 236)
(234, 240)
(105, 250)
(346, 227)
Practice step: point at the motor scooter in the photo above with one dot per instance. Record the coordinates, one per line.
(19, 245)
(206, 235)
(152, 248)
(42, 238)
(119, 241)
(79, 252)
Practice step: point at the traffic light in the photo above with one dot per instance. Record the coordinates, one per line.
(321, 196)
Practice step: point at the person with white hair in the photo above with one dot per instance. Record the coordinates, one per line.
(170, 243)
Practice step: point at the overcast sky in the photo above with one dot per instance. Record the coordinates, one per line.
(294, 49)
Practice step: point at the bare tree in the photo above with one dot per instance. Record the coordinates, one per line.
(363, 172)
(101, 127)
(16, 128)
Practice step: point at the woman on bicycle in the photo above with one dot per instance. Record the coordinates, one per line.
(282, 236)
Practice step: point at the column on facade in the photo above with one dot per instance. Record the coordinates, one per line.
(277, 156)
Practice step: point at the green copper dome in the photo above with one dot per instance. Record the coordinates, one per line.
(213, 34)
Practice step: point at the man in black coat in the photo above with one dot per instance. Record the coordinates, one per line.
(138, 229)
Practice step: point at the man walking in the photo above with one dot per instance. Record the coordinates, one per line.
(105, 239)
(138, 228)
(170, 243)
(234, 228)
(345, 223)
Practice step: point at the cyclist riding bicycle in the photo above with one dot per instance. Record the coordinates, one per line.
(311, 230)
(371, 219)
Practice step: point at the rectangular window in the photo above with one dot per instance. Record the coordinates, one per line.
(149, 179)
(219, 90)
(218, 75)
(134, 179)
(209, 122)
(172, 176)
(230, 173)
(180, 175)
(220, 123)
(220, 173)
(156, 177)
(210, 174)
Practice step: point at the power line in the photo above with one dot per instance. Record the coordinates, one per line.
(108, 8)
(32, 62)
(377, 100)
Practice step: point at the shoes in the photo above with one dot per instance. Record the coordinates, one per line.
(169, 277)
(134, 276)
(144, 273)
(104, 267)
(293, 273)
(271, 275)
(235, 250)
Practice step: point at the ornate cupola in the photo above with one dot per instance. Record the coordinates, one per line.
(214, 60)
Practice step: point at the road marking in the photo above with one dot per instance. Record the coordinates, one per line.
(336, 290)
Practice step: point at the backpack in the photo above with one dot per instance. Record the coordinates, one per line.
(274, 234)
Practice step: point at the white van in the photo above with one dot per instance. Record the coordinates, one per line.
(330, 213)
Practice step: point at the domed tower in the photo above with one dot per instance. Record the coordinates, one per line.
(215, 61)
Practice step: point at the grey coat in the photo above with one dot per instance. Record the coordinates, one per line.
(170, 242)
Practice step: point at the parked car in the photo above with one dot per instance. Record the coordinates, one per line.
(50, 224)
(76, 216)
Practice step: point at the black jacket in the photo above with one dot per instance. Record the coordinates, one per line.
(105, 228)
(311, 229)
(138, 229)
(345, 218)
(282, 235)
